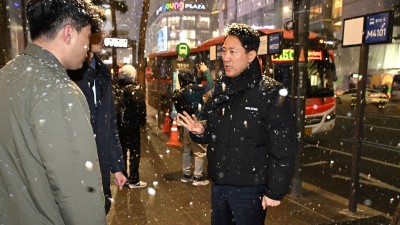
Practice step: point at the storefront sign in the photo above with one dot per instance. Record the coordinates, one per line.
(288, 55)
(180, 6)
(116, 42)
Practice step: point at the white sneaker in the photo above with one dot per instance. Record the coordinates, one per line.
(186, 178)
(140, 184)
(200, 182)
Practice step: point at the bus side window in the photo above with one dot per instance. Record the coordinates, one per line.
(395, 89)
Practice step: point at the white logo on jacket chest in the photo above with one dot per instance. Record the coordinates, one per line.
(251, 108)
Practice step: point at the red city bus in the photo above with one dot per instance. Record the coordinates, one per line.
(320, 99)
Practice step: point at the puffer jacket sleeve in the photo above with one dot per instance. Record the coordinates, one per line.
(117, 158)
(282, 142)
(67, 148)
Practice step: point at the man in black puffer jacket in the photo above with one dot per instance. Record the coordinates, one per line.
(250, 131)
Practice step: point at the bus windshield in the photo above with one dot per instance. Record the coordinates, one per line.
(320, 79)
(319, 82)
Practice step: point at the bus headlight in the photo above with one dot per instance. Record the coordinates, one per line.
(331, 116)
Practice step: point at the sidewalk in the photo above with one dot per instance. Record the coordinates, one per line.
(167, 201)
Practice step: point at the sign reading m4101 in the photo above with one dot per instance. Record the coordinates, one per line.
(376, 33)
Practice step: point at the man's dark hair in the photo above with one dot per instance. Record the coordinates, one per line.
(186, 77)
(47, 17)
(249, 37)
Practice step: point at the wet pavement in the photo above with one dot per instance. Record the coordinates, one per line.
(168, 201)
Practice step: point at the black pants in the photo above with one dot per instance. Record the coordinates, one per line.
(107, 201)
(130, 141)
(234, 205)
(105, 178)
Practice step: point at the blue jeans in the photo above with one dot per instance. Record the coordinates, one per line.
(235, 205)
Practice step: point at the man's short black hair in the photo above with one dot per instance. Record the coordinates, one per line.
(47, 17)
(249, 37)
(186, 77)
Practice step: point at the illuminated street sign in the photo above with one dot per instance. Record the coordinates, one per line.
(183, 50)
(274, 43)
(378, 28)
(287, 55)
(374, 28)
(116, 42)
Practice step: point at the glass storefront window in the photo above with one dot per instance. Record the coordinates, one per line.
(174, 21)
(337, 9)
(163, 22)
(188, 21)
(188, 34)
(316, 11)
(203, 22)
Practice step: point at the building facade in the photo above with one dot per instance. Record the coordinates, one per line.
(12, 30)
(383, 59)
(174, 22)
(193, 22)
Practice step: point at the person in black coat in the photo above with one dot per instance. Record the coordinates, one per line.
(94, 80)
(250, 131)
(132, 117)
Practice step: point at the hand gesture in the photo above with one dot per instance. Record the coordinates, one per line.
(201, 67)
(191, 123)
(120, 180)
(269, 202)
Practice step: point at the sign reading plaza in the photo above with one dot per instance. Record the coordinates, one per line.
(116, 42)
(374, 28)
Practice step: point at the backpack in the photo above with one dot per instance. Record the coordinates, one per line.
(181, 103)
(131, 107)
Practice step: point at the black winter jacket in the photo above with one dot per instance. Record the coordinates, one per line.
(250, 133)
(131, 108)
(103, 117)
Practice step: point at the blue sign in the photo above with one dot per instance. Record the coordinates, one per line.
(378, 28)
(274, 43)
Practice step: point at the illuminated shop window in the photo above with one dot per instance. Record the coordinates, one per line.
(188, 21)
(174, 21)
(187, 34)
(203, 22)
(163, 22)
(316, 11)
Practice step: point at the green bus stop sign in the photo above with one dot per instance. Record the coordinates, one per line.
(183, 50)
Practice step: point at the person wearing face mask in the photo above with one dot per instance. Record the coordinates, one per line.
(249, 127)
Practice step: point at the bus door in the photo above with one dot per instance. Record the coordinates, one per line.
(283, 74)
(395, 89)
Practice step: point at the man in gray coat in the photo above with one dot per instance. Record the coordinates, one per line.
(49, 170)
